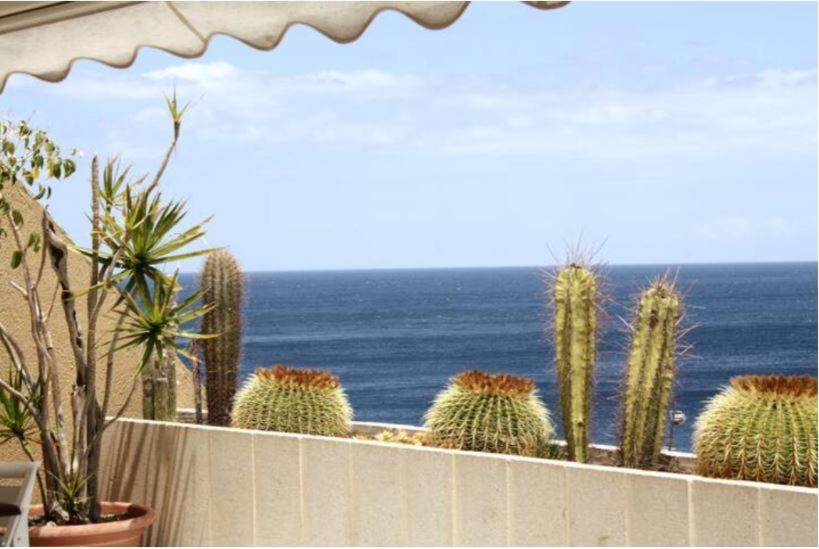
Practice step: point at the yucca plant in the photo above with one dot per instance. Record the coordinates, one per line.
(138, 233)
(133, 233)
(154, 322)
(16, 422)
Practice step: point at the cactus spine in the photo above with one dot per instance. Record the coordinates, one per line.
(489, 413)
(292, 400)
(760, 428)
(575, 329)
(223, 287)
(650, 374)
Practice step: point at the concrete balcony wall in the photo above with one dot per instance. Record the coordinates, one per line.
(218, 486)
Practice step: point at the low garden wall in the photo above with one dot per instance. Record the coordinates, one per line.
(220, 486)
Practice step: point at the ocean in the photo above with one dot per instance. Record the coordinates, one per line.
(395, 337)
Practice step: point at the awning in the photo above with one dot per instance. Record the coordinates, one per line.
(43, 39)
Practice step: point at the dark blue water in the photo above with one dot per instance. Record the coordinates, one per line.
(395, 337)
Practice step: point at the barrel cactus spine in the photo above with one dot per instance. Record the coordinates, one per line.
(763, 428)
(575, 295)
(496, 413)
(650, 374)
(223, 285)
(293, 400)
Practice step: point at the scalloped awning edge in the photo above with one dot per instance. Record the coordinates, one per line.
(44, 39)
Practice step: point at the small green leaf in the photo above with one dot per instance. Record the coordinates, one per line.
(16, 259)
(68, 167)
(17, 217)
(33, 242)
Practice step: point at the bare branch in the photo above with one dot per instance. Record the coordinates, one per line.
(15, 354)
(19, 288)
(53, 302)
(59, 261)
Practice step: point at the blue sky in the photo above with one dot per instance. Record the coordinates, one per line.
(677, 132)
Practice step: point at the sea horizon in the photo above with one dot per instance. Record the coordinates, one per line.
(545, 266)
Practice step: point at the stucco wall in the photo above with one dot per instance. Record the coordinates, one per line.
(231, 487)
(16, 318)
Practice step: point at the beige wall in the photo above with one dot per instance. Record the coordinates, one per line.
(232, 487)
(16, 318)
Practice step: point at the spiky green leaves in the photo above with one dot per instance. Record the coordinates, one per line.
(650, 374)
(156, 321)
(142, 233)
(223, 285)
(760, 428)
(490, 413)
(574, 295)
(292, 400)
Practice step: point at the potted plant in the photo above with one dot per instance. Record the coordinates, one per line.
(134, 233)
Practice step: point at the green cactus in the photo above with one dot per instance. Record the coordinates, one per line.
(292, 400)
(223, 286)
(574, 293)
(159, 388)
(489, 413)
(650, 374)
(760, 428)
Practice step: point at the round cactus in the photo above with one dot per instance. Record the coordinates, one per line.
(294, 401)
(760, 428)
(489, 413)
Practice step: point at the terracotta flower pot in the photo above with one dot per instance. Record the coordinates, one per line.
(119, 533)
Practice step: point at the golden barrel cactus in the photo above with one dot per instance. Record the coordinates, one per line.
(293, 400)
(490, 413)
(760, 428)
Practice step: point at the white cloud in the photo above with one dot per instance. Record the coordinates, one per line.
(730, 229)
(368, 79)
(787, 77)
(195, 72)
(772, 111)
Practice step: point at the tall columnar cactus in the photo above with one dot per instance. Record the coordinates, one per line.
(574, 295)
(760, 428)
(490, 413)
(159, 388)
(223, 286)
(293, 401)
(650, 374)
